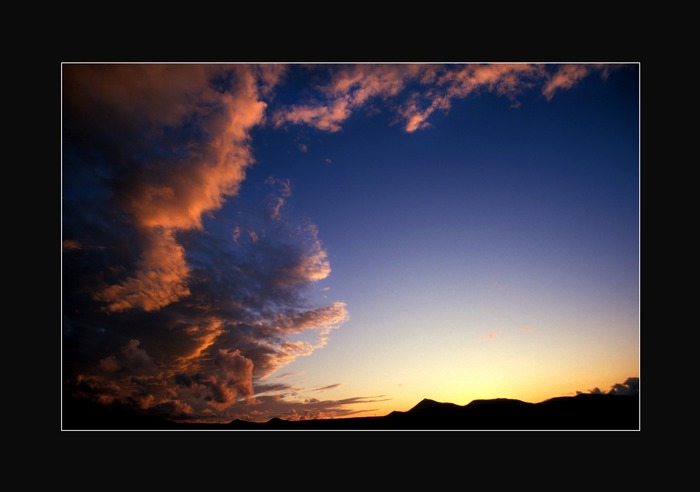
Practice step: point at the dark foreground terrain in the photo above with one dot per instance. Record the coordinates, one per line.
(581, 412)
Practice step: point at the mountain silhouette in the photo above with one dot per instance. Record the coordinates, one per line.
(580, 412)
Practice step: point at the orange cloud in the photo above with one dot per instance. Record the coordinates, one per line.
(365, 81)
(565, 78)
(429, 88)
(488, 336)
(160, 279)
(527, 329)
(269, 75)
(214, 170)
(172, 193)
(203, 337)
(233, 377)
(503, 79)
(327, 117)
(350, 88)
(324, 318)
(71, 245)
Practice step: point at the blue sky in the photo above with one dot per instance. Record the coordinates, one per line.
(327, 240)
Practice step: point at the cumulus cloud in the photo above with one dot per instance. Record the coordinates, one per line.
(172, 311)
(232, 377)
(246, 317)
(174, 172)
(132, 360)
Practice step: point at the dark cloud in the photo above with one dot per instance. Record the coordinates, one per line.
(629, 387)
(171, 303)
(131, 359)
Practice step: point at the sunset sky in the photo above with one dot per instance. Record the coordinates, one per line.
(326, 240)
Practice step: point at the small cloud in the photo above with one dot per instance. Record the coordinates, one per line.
(303, 147)
(285, 375)
(629, 387)
(327, 160)
(131, 360)
(565, 78)
(527, 329)
(282, 189)
(71, 245)
(488, 336)
(327, 387)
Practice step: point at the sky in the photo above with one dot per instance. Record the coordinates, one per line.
(336, 240)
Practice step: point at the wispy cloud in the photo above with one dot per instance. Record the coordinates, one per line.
(305, 408)
(459, 82)
(282, 191)
(71, 245)
(565, 78)
(351, 87)
(327, 387)
(413, 92)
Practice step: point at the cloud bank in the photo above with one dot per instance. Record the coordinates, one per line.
(415, 91)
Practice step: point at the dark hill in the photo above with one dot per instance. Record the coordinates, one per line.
(581, 412)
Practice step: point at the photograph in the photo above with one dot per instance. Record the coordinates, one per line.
(350, 246)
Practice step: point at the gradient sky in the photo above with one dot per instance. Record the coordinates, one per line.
(327, 240)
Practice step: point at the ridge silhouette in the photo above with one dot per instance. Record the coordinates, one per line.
(580, 412)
